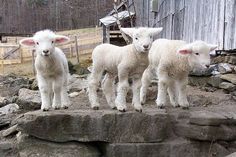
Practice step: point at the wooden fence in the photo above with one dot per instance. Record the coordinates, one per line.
(81, 44)
(209, 20)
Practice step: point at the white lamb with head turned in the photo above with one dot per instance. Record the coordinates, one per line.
(171, 61)
(125, 62)
(51, 67)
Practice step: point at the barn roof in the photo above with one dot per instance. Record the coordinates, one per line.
(111, 20)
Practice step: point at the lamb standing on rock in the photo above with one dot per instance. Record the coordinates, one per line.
(127, 62)
(172, 60)
(51, 67)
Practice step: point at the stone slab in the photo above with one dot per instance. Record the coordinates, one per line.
(229, 77)
(102, 125)
(29, 99)
(205, 133)
(32, 147)
(174, 148)
(209, 118)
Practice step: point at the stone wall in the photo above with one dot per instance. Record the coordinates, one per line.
(132, 134)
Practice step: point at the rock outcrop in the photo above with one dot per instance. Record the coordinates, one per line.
(166, 133)
(90, 126)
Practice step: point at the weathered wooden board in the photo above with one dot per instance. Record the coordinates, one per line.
(142, 12)
(178, 25)
(203, 20)
(166, 9)
(230, 24)
(213, 21)
(166, 23)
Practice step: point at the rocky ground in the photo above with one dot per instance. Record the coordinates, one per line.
(207, 129)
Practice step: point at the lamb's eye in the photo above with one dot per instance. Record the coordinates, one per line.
(136, 38)
(197, 54)
(52, 42)
(37, 43)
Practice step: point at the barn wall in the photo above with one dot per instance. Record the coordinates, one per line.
(27, 16)
(208, 20)
(230, 24)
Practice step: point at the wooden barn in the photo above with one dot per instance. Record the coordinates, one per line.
(122, 15)
(208, 20)
(213, 21)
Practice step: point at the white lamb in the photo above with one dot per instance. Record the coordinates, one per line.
(51, 67)
(171, 61)
(125, 62)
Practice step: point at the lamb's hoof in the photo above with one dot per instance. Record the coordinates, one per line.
(160, 107)
(140, 110)
(45, 109)
(122, 110)
(138, 107)
(65, 107)
(175, 106)
(185, 107)
(121, 107)
(56, 108)
(114, 108)
(95, 108)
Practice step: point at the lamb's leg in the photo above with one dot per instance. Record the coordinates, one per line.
(122, 89)
(182, 97)
(51, 94)
(57, 90)
(64, 96)
(146, 81)
(65, 99)
(93, 83)
(44, 88)
(172, 93)
(162, 90)
(108, 87)
(136, 94)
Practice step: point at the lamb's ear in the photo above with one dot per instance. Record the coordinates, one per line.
(185, 50)
(27, 42)
(155, 31)
(61, 39)
(128, 31)
(212, 47)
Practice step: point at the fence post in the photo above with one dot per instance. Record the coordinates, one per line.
(34, 72)
(2, 65)
(21, 55)
(71, 51)
(77, 49)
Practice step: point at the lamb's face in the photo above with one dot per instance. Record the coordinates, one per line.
(142, 37)
(44, 42)
(142, 40)
(199, 54)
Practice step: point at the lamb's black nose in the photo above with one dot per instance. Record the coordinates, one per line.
(45, 51)
(207, 65)
(145, 46)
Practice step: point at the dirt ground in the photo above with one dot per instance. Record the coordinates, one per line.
(199, 100)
